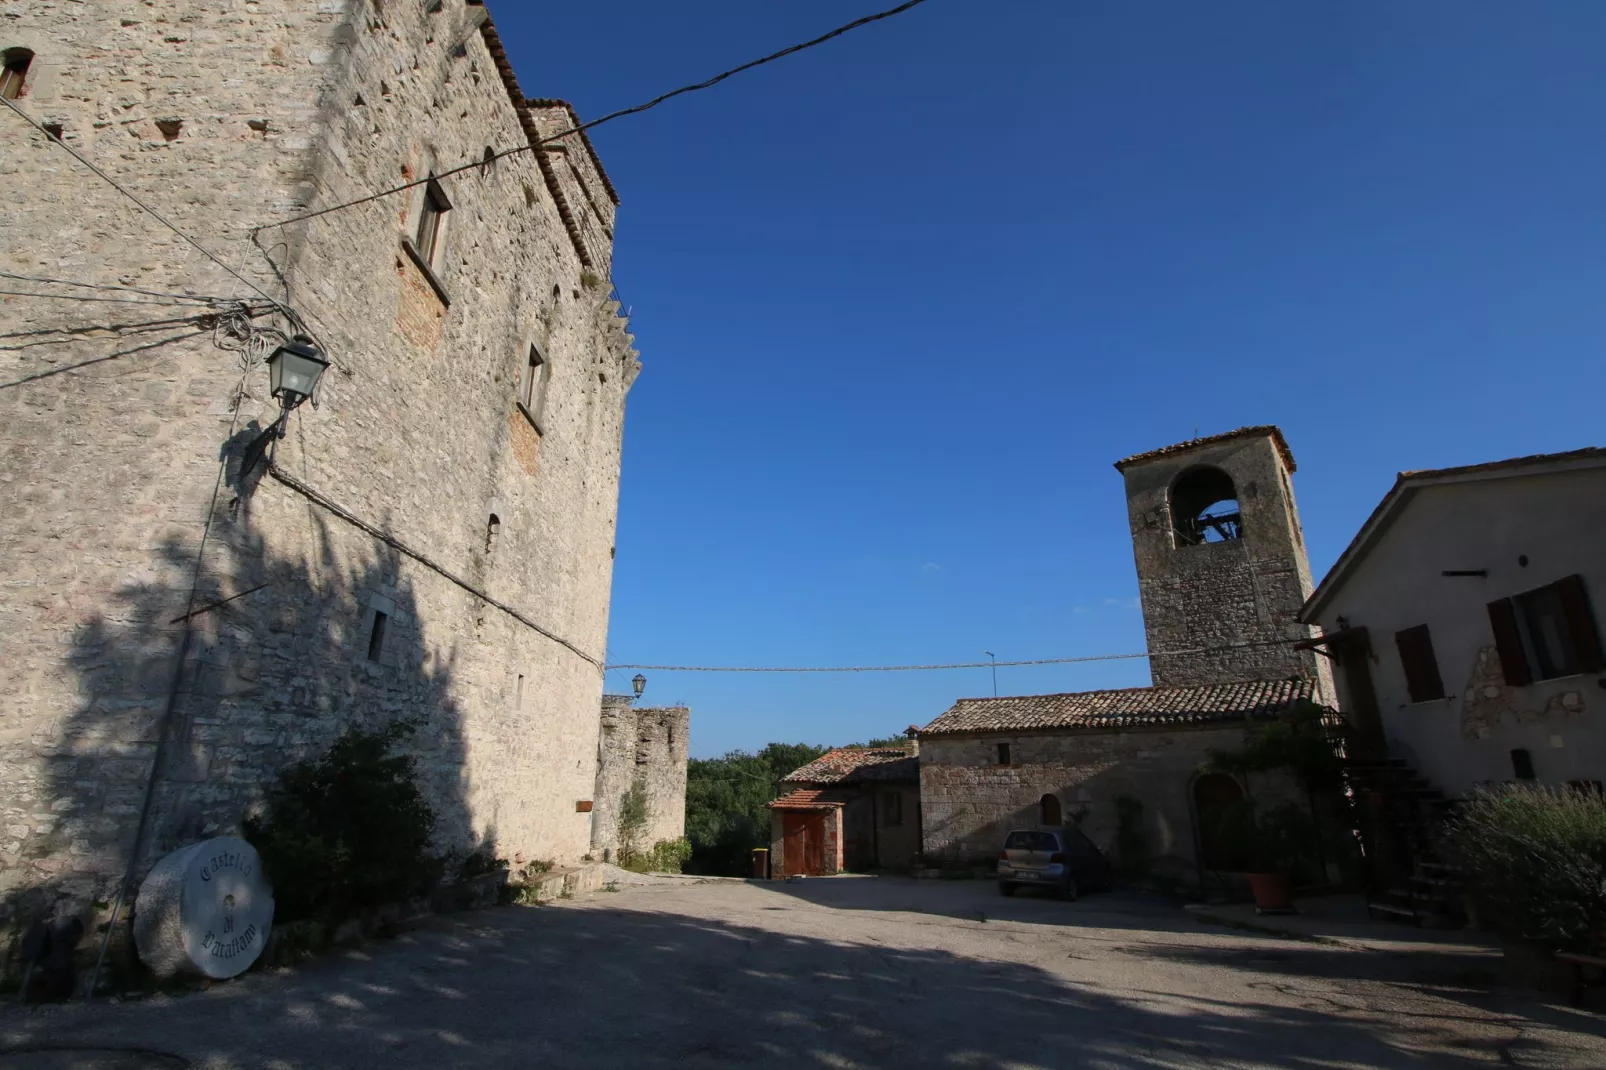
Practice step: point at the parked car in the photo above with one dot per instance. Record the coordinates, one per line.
(1060, 859)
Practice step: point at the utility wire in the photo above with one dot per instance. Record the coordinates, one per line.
(961, 664)
(621, 113)
(114, 286)
(98, 300)
(147, 209)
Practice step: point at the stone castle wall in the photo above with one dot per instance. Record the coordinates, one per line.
(645, 745)
(119, 420)
(1236, 598)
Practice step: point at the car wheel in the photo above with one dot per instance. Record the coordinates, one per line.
(1005, 889)
(1068, 891)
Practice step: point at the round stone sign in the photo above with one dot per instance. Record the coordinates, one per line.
(205, 909)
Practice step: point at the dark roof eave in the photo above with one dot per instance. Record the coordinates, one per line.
(1270, 430)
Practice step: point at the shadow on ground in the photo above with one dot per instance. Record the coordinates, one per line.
(604, 986)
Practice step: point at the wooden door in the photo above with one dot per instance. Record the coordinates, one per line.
(804, 844)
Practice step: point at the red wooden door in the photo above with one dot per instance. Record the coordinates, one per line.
(804, 850)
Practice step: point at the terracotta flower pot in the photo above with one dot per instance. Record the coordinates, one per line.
(1273, 891)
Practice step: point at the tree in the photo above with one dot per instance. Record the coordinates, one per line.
(726, 815)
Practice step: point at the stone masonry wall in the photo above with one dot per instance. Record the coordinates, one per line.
(123, 426)
(1237, 597)
(645, 745)
(969, 802)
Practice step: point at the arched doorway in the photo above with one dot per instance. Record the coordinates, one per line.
(1217, 798)
(1048, 809)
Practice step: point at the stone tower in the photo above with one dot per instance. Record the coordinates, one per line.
(1221, 559)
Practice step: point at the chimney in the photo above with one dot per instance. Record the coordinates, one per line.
(913, 732)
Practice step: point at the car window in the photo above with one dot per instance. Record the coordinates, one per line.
(1031, 841)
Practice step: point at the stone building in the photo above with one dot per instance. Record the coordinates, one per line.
(1464, 617)
(433, 539)
(642, 750)
(1222, 572)
(852, 808)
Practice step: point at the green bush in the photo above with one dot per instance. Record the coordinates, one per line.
(1534, 859)
(665, 856)
(1132, 854)
(1252, 840)
(347, 831)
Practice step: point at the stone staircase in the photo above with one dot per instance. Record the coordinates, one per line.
(1401, 819)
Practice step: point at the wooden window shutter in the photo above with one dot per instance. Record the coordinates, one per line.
(1580, 624)
(1422, 678)
(1508, 641)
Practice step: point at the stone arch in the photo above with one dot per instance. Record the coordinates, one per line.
(1214, 796)
(1049, 811)
(1204, 507)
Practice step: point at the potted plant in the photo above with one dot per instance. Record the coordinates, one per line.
(1268, 846)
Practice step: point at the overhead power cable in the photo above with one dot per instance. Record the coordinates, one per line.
(162, 301)
(147, 209)
(203, 298)
(621, 113)
(960, 664)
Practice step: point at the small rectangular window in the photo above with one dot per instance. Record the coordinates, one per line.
(15, 71)
(532, 386)
(1003, 754)
(430, 213)
(891, 809)
(1421, 666)
(1522, 765)
(376, 636)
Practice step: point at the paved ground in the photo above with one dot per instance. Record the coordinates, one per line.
(836, 973)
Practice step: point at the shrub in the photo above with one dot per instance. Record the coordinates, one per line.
(1534, 859)
(666, 856)
(348, 830)
(1252, 840)
(632, 818)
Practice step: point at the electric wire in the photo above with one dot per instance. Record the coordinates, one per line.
(621, 113)
(114, 286)
(960, 664)
(286, 310)
(98, 300)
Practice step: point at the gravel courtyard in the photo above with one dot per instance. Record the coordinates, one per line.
(832, 973)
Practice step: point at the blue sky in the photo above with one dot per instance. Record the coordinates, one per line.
(901, 300)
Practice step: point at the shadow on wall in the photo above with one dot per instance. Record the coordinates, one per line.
(502, 989)
(291, 652)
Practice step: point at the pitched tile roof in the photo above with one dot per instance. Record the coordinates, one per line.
(810, 799)
(1133, 707)
(1272, 430)
(849, 765)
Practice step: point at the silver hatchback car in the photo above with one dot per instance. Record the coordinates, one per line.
(1062, 860)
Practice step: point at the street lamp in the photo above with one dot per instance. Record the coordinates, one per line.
(639, 682)
(294, 370)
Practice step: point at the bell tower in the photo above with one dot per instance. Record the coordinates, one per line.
(1221, 560)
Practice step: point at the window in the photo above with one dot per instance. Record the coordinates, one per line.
(518, 694)
(493, 528)
(1031, 841)
(1204, 508)
(1049, 812)
(430, 214)
(1546, 632)
(1003, 754)
(891, 809)
(376, 636)
(1421, 667)
(1522, 765)
(532, 385)
(15, 73)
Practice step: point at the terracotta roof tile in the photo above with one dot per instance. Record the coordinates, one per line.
(809, 799)
(848, 765)
(1133, 707)
(1272, 430)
